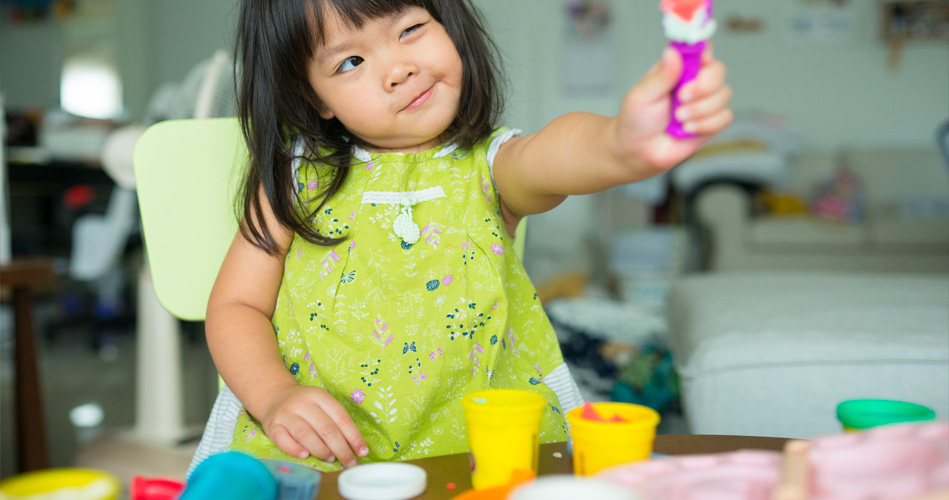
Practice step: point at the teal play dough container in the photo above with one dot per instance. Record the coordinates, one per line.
(231, 475)
(860, 414)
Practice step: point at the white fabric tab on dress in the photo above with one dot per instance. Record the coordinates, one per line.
(298, 147)
(447, 150)
(404, 225)
(407, 198)
(361, 154)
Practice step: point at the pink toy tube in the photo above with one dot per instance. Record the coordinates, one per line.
(688, 25)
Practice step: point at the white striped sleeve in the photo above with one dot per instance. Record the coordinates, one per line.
(496, 145)
(298, 148)
(561, 382)
(219, 431)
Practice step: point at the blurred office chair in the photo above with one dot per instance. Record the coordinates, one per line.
(159, 430)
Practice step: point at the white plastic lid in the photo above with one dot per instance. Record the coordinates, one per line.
(565, 487)
(384, 481)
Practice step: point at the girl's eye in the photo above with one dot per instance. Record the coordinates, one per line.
(349, 64)
(410, 29)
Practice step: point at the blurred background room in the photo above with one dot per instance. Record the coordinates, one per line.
(833, 179)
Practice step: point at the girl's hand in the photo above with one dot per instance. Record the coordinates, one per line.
(644, 114)
(304, 421)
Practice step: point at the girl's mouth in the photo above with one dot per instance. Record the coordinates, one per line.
(420, 100)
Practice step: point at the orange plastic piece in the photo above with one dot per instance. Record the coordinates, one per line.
(518, 477)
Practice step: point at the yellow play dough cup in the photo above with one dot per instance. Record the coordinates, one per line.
(598, 445)
(504, 434)
(78, 484)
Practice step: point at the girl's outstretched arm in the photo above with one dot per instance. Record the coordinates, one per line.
(301, 420)
(581, 153)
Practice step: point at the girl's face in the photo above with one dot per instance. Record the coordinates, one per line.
(395, 83)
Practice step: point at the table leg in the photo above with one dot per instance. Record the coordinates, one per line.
(33, 452)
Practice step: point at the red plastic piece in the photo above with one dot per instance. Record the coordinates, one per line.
(143, 488)
(590, 413)
(78, 196)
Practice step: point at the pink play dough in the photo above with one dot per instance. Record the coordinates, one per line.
(886, 463)
(895, 462)
(741, 475)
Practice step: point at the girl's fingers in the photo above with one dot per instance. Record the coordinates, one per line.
(314, 444)
(709, 80)
(659, 81)
(350, 432)
(709, 55)
(285, 442)
(700, 109)
(333, 437)
(710, 124)
(336, 428)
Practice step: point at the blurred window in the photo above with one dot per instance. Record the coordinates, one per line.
(90, 85)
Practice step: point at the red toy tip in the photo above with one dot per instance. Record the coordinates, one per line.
(685, 9)
(589, 413)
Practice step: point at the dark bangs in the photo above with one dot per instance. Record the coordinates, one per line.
(356, 13)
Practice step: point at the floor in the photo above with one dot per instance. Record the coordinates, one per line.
(88, 368)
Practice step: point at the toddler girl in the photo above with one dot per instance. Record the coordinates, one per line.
(373, 282)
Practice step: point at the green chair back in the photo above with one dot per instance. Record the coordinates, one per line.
(187, 174)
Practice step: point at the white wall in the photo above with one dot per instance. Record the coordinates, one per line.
(156, 42)
(839, 94)
(31, 57)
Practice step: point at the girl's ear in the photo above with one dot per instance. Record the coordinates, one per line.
(325, 113)
(315, 101)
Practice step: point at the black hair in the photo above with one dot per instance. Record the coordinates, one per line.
(275, 41)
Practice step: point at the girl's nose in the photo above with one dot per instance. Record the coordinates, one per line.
(399, 72)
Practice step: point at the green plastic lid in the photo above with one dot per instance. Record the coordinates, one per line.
(867, 413)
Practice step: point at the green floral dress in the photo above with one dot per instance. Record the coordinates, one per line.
(424, 302)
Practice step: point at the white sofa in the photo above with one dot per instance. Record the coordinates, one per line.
(772, 354)
(892, 237)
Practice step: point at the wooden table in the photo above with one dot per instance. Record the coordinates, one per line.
(456, 468)
(21, 275)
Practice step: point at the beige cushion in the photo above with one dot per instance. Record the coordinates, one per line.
(897, 234)
(805, 233)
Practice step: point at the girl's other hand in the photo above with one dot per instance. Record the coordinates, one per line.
(644, 115)
(308, 421)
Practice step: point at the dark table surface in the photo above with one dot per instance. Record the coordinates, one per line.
(455, 469)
